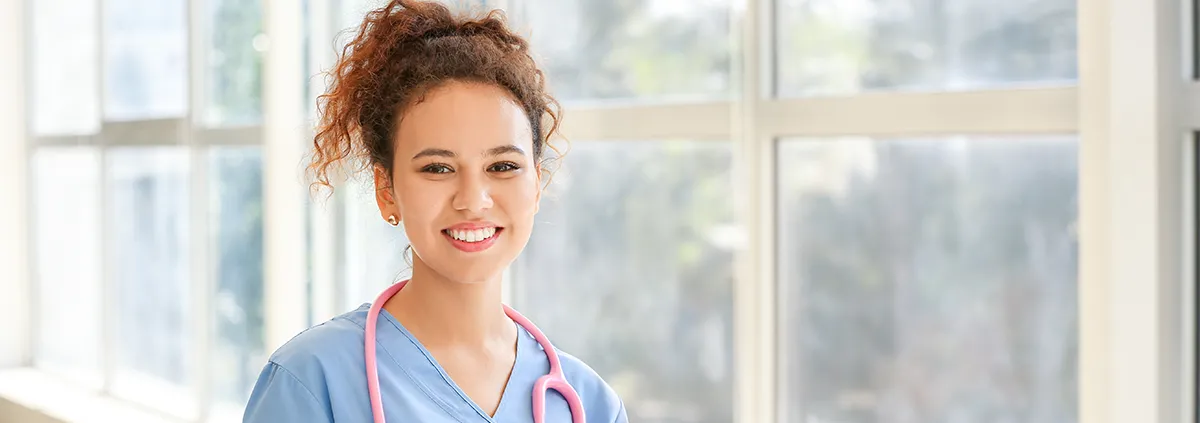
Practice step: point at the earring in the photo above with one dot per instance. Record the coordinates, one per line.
(392, 220)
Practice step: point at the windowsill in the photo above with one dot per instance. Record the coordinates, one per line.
(34, 393)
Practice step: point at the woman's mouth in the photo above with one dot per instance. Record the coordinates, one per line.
(473, 240)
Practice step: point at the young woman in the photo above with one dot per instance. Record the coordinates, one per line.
(452, 117)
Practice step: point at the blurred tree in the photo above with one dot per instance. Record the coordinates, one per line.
(631, 49)
(624, 272)
(938, 287)
(234, 89)
(841, 47)
(234, 64)
(238, 227)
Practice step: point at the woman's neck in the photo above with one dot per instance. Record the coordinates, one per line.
(442, 312)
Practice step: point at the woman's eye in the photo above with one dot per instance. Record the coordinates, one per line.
(503, 167)
(436, 168)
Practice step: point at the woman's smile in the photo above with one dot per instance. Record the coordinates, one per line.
(473, 237)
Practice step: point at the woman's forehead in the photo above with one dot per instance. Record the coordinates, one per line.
(466, 118)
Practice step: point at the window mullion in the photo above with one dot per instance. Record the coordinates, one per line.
(108, 307)
(754, 316)
(324, 220)
(283, 194)
(16, 338)
(200, 281)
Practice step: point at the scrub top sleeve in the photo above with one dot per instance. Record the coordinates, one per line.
(279, 396)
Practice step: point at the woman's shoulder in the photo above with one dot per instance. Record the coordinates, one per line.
(603, 403)
(333, 342)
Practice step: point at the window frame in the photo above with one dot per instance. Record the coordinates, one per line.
(198, 137)
(1119, 349)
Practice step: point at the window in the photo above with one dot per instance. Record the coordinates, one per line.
(145, 59)
(844, 47)
(149, 253)
(234, 91)
(882, 251)
(148, 180)
(67, 181)
(653, 288)
(630, 50)
(928, 280)
(64, 102)
(236, 225)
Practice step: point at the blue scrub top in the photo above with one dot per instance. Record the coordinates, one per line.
(320, 376)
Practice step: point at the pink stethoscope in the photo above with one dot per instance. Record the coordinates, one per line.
(553, 380)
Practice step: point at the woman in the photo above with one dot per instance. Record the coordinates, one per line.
(452, 117)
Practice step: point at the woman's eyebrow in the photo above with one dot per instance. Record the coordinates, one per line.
(494, 151)
(435, 152)
(504, 149)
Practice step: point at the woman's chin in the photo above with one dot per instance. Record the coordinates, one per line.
(468, 272)
(468, 268)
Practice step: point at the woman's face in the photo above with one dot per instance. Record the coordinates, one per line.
(464, 181)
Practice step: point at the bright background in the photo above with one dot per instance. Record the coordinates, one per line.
(794, 211)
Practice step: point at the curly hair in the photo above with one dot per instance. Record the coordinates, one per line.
(401, 52)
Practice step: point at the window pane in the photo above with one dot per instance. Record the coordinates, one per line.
(849, 46)
(67, 236)
(65, 73)
(236, 207)
(605, 49)
(373, 257)
(351, 13)
(928, 280)
(235, 62)
(148, 208)
(145, 59)
(635, 243)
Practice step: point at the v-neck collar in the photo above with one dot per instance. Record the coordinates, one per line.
(441, 392)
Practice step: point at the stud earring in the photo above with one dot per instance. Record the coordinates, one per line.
(392, 220)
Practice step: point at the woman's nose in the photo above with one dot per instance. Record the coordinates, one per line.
(473, 193)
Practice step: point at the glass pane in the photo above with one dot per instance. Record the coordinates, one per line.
(635, 243)
(928, 280)
(605, 49)
(149, 255)
(66, 197)
(236, 222)
(848, 46)
(145, 59)
(351, 12)
(65, 67)
(374, 254)
(235, 62)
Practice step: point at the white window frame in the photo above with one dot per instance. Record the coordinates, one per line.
(16, 334)
(189, 131)
(1131, 108)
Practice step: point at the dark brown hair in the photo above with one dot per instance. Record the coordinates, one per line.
(399, 53)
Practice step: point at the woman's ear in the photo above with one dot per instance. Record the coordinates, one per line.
(385, 196)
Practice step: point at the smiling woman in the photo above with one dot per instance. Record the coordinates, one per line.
(452, 117)
(460, 180)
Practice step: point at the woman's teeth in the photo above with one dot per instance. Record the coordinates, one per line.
(474, 235)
